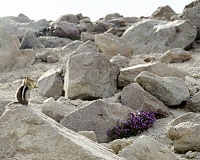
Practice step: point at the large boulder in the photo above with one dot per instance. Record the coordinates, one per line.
(112, 45)
(50, 83)
(171, 91)
(156, 36)
(184, 132)
(176, 55)
(89, 76)
(127, 75)
(11, 56)
(193, 104)
(26, 133)
(98, 116)
(135, 97)
(191, 13)
(147, 148)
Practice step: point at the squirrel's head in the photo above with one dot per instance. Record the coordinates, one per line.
(29, 83)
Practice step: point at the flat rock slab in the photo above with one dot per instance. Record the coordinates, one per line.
(29, 134)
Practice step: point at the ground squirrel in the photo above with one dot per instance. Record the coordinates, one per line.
(23, 92)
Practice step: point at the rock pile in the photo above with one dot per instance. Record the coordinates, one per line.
(91, 76)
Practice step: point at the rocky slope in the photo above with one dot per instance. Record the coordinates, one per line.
(91, 75)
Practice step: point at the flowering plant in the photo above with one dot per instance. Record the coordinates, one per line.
(136, 123)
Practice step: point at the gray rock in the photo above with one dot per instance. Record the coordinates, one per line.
(23, 18)
(176, 55)
(27, 58)
(89, 76)
(112, 45)
(184, 132)
(52, 42)
(171, 91)
(50, 84)
(119, 144)
(193, 104)
(135, 97)
(30, 41)
(18, 26)
(85, 26)
(119, 60)
(65, 29)
(26, 133)
(147, 148)
(49, 55)
(85, 36)
(69, 18)
(98, 116)
(74, 44)
(156, 36)
(89, 134)
(58, 109)
(163, 12)
(11, 56)
(101, 26)
(88, 46)
(190, 13)
(136, 61)
(112, 16)
(127, 75)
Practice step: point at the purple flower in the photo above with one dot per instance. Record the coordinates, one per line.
(136, 123)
